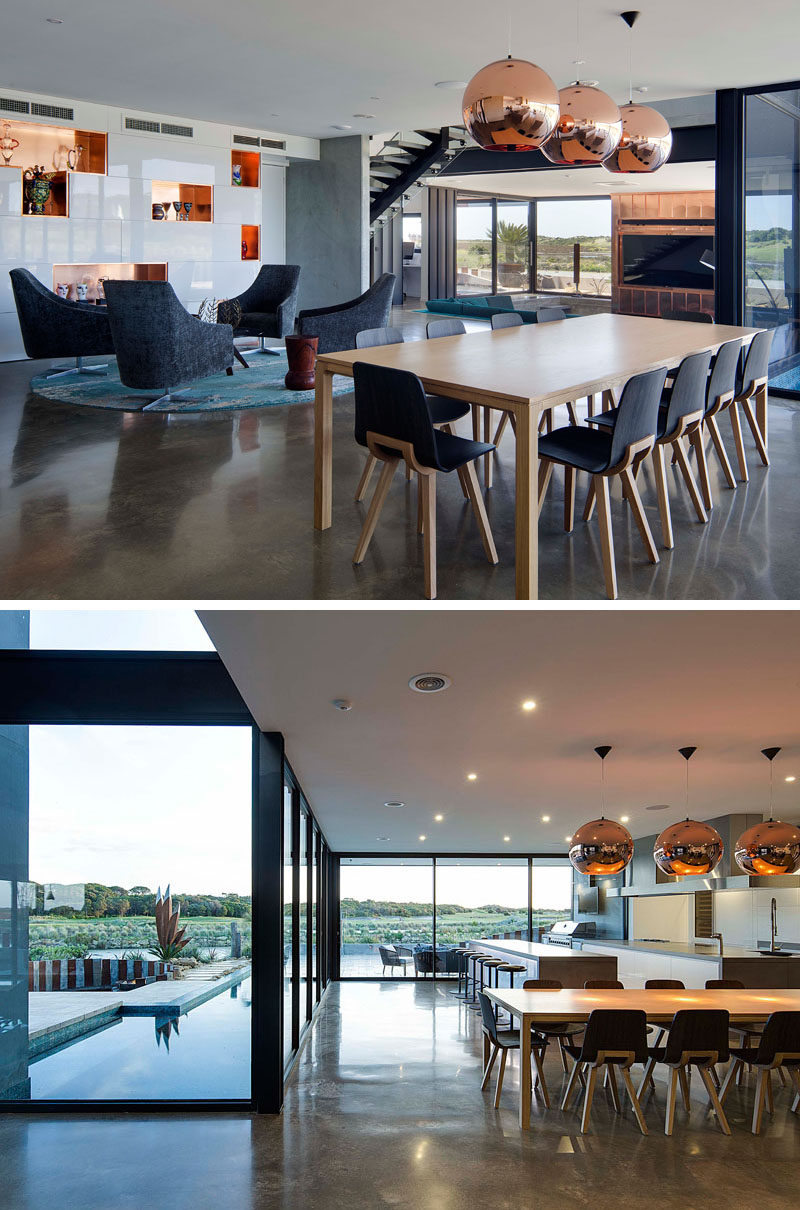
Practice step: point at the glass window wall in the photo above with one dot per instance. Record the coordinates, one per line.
(386, 916)
(573, 246)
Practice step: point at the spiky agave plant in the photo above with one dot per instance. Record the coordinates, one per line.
(170, 940)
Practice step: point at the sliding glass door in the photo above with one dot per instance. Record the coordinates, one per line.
(772, 228)
(493, 246)
(513, 247)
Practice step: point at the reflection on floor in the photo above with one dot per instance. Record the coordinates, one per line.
(103, 505)
(386, 1111)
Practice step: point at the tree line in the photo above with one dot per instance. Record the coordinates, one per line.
(101, 900)
(385, 907)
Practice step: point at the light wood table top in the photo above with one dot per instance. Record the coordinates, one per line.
(573, 1005)
(523, 371)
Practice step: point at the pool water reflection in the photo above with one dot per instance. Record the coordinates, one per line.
(204, 1054)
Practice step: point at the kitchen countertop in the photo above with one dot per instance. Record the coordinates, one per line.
(528, 949)
(679, 949)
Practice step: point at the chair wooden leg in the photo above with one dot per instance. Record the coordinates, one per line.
(587, 1099)
(637, 508)
(736, 425)
(563, 1053)
(612, 1083)
(684, 1083)
(501, 428)
(569, 498)
(721, 452)
(429, 520)
(572, 1085)
(794, 1075)
(537, 1058)
(770, 1097)
(747, 407)
(545, 474)
(374, 511)
(420, 505)
(479, 508)
(606, 536)
(487, 1071)
(669, 1120)
(463, 481)
(690, 481)
(698, 445)
(409, 473)
(500, 1075)
(366, 475)
(573, 415)
(730, 1078)
(659, 470)
(588, 508)
(488, 460)
(647, 1077)
(714, 1099)
(634, 1100)
(476, 421)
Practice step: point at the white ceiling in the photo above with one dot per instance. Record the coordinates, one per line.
(299, 68)
(585, 182)
(646, 681)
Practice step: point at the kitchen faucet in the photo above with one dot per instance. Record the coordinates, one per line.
(773, 925)
(718, 937)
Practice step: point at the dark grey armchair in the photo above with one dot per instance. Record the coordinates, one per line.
(159, 345)
(270, 304)
(57, 327)
(338, 326)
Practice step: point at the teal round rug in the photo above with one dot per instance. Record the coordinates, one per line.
(259, 386)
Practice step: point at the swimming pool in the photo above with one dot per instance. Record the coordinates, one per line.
(203, 1054)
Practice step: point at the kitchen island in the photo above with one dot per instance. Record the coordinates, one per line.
(693, 964)
(570, 966)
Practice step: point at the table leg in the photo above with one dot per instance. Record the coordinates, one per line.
(527, 521)
(525, 1090)
(323, 449)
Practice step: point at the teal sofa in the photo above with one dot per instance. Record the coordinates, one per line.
(479, 307)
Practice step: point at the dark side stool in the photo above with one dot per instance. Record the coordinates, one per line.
(473, 957)
(511, 969)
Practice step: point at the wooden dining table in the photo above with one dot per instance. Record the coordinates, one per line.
(660, 1006)
(522, 371)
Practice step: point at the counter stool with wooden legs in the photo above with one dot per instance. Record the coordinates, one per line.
(778, 1047)
(720, 393)
(562, 1032)
(751, 389)
(500, 1041)
(605, 455)
(444, 412)
(680, 415)
(393, 421)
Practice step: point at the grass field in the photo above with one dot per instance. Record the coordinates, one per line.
(128, 932)
(458, 926)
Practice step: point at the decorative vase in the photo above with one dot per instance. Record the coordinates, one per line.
(62, 289)
(301, 354)
(158, 211)
(38, 184)
(236, 174)
(177, 206)
(187, 207)
(244, 249)
(8, 144)
(81, 290)
(75, 158)
(101, 293)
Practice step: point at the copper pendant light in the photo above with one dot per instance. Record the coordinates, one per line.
(602, 846)
(589, 127)
(771, 847)
(510, 105)
(646, 141)
(689, 847)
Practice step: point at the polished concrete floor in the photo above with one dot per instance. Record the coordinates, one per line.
(385, 1110)
(105, 505)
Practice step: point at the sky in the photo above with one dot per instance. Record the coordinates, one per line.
(571, 218)
(119, 630)
(469, 885)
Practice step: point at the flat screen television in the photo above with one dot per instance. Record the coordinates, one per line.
(671, 261)
(589, 900)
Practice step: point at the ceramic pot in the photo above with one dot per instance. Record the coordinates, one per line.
(81, 290)
(236, 174)
(301, 354)
(62, 289)
(158, 211)
(38, 184)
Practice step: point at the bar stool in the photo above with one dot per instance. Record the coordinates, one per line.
(462, 958)
(553, 1029)
(474, 957)
(488, 965)
(511, 969)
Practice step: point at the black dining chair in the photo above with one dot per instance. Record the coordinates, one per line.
(437, 328)
(778, 1048)
(615, 1038)
(604, 455)
(751, 387)
(697, 317)
(698, 1037)
(393, 421)
(720, 392)
(561, 1031)
(680, 415)
(500, 1042)
(444, 412)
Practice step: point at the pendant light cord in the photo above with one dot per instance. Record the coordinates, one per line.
(508, 6)
(603, 788)
(630, 75)
(771, 771)
(687, 789)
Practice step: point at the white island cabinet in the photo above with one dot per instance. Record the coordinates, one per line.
(634, 966)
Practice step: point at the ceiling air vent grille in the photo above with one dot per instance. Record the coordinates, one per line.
(141, 124)
(185, 132)
(429, 682)
(13, 106)
(276, 144)
(246, 140)
(63, 113)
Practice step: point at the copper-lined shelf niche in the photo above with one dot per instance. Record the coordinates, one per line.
(199, 197)
(59, 148)
(251, 242)
(247, 165)
(89, 275)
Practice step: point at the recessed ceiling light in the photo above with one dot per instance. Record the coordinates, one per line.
(340, 126)
(567, 839)
(472, 777)
(506, 839)
(394, 804)
(790, 778)
(624, 818)
(659, 806)
(429, 682)
(545, 819)
(423, 837)
(640, 88)
(450, 84)
(54, 21)
(363, 115)
(438, 818)
(383, 838)
(374, 98)
(529, 705)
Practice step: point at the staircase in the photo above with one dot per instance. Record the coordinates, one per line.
(396, 167)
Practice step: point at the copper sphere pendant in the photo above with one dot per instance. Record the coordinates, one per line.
(646, 141)
(589, 127)
(602, 846)
(770, 848)
(688, 847)
(510, 105)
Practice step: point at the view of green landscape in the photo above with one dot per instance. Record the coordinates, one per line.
(554, 255)
(377, 922)
(764, 262)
